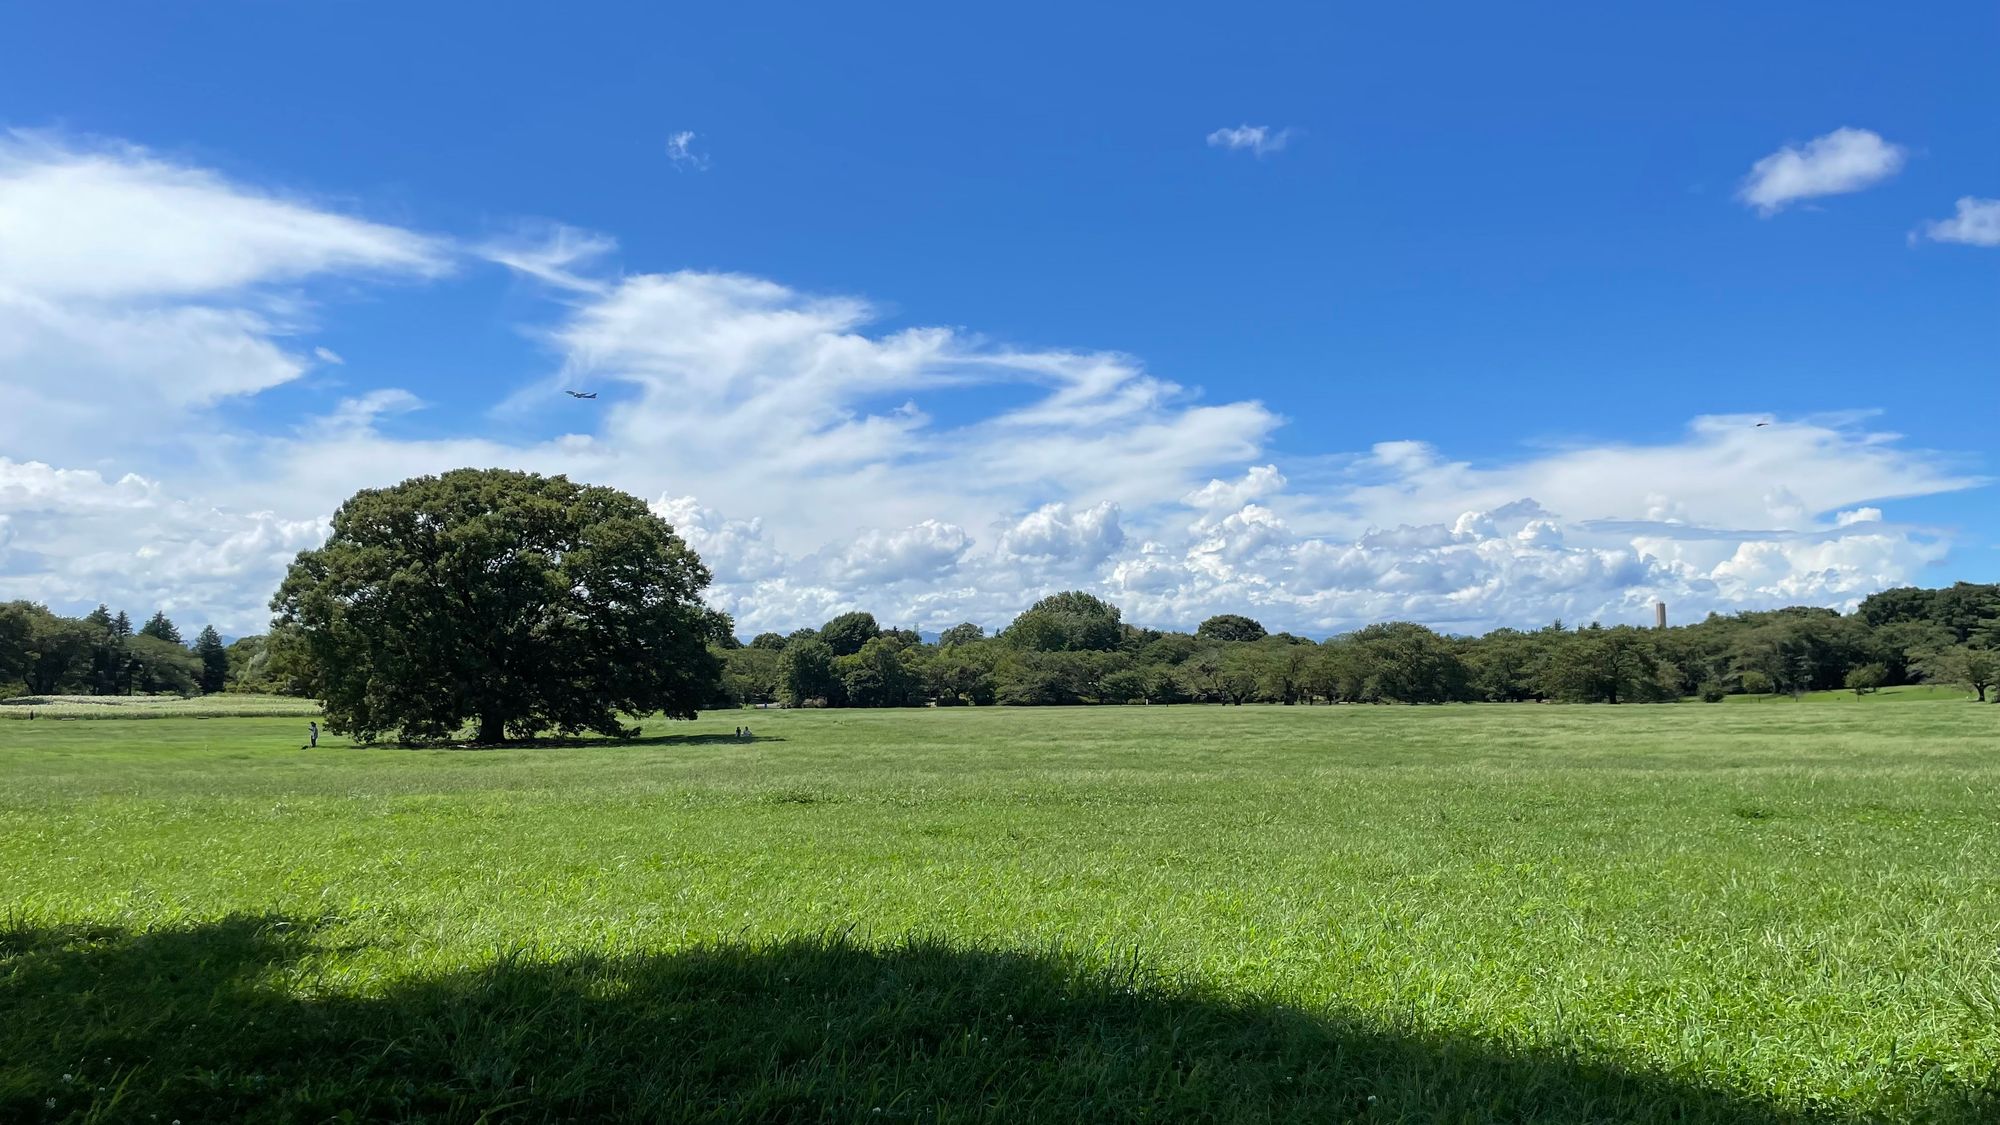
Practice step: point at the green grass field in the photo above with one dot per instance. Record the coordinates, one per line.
(1465, 914)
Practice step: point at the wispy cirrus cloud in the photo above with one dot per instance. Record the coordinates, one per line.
(680, 150)
(132, 284)
(1260, 140)
(1845, 160)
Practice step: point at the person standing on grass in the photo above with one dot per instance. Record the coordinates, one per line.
(312, 735)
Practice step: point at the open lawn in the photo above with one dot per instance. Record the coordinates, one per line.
(1464, 914)
(1907, 693)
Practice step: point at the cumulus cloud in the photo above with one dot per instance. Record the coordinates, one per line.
(735, 551)
(1845, 160)
(1260, 481)
(1053, 534)
(1258, 139)
(925, 551)
(83, 537)
(817, 431)
(1977, 223)
(680, 150)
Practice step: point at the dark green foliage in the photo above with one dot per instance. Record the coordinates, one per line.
(274, 664)
(964, 634)
(1866, 678)
(722, 631)
(1068, 622)
(523, 603)
(59, 651)
(1975, 669)
(1230, 627)
(751, 675)
(160, 627)
(154, 666)
(959, 673)
(17, 632)
(806, 673)
(1404, 663)
(1905, 636)
(1609, 666)
(214, 659)
(847, 633)
(879, 675)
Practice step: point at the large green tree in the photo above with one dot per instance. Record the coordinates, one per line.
(847, 633)
(161, 627)
(214, 659)
(522, 603)
(1072, 621)
(1975, 669)
(805, 672)
(1230, 627)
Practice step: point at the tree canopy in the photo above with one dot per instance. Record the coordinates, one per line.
(1072, 621)
(522, 603)
(1230, 627)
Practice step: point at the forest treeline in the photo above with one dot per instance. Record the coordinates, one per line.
(101, 653)
(1073, 648)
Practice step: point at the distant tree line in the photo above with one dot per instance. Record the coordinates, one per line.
(1074, 648)
(101, 653)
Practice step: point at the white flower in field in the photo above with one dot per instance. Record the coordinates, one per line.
(50, 1104)
(69, 1078)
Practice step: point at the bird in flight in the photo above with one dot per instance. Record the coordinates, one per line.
(1760, 424)
(581, 394)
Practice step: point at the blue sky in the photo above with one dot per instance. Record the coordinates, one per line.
(1481, 256)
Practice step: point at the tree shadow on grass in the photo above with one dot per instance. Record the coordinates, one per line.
(592, 742)
(229, 1021)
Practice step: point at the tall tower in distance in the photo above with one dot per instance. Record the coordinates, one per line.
(1659, 615)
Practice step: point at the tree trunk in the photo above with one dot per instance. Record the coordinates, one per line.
(492, 728)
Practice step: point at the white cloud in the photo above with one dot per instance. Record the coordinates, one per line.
(1977, 223)
(553, 255)
(82, 539)
(922, 552)
(735, 551)
(328, 355)
(1842, 161)
(681, 152)
(1053, 534)
(1258, 139)
(1260, 481)
(137, 290)
(819, 433)
(362, 411)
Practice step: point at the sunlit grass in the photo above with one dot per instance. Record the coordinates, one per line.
(1487, 913)
(225, 705)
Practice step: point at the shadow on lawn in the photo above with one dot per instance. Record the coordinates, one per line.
(227, 1022)
(596, 742)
